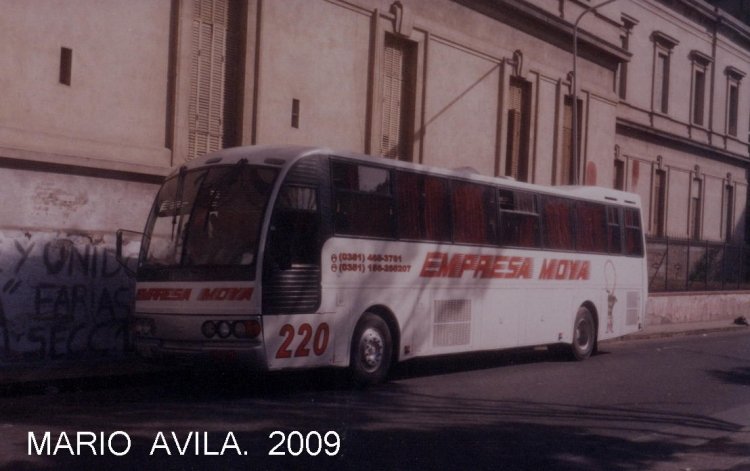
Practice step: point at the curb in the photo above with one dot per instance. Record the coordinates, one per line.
(679, 332)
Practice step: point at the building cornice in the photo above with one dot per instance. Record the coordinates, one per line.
(722, 20)
(669, 139)
(58, 163)
(540, 23)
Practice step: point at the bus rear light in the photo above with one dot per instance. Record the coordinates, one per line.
(246, 329)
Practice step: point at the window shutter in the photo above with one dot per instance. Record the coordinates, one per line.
(398, 95)
(514, 142)
(207, 90)
(518, 110)
(566, 176)
(392, 89)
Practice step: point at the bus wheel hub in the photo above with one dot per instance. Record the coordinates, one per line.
(372, 348)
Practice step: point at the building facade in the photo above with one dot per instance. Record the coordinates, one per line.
(102, 98)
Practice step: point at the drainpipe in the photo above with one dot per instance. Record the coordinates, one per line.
(576, 159)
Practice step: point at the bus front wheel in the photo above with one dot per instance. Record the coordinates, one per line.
(371, 351)
(584, 335)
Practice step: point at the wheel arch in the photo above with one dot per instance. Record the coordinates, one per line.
(588, 304)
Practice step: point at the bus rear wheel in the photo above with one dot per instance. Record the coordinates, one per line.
(584, 335)
(371, 351)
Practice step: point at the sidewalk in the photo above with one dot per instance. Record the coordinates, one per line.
(683, 328)
(128, 365)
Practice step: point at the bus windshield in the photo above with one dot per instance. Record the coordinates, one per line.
(208, 217)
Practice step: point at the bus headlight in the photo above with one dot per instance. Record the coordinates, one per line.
(224, 329)
(246, 329)
(209, 329)
(143, 326)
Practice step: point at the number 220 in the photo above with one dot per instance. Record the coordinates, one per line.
(319, 340)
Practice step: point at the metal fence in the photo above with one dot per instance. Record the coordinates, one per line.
(687, 265)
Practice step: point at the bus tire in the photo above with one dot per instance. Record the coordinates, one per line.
(371, 351)
(584, 335)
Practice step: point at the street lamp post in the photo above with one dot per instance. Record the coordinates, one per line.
(576, 160)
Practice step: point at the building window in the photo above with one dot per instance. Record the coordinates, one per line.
(734, 76)
(661, 83)
(660, 202)
(663, 45)
(729, 213)
(399, 92)
(569, 163)
(701, 63)
(66, 65)
(519, 119)
(699, 93)
(732, 99)
(622, 76)
(622, 86)
(215, 76)
(695, 209)
(619, 183)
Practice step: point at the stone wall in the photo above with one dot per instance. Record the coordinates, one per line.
(63, 296)
(670, 308)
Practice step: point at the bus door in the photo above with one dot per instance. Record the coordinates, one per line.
(296, 334)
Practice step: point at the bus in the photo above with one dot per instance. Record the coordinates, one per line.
(291, 257)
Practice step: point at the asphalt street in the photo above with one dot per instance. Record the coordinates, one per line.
(680, 403)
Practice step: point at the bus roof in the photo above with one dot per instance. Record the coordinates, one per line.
(285, 156)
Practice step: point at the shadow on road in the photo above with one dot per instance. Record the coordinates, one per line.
(739, 376)
(232, 381)
(398, 425)
(387, 427)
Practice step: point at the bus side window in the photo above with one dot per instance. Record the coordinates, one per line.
(558, 227)
(294, 237)
(473, 213)
(614, 232)
(633, 236)
(591, 235)
(362, 200)
(519, 219)
(422, 207)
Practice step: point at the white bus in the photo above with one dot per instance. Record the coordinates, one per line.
(287, 257)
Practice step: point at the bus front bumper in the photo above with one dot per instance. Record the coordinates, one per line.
(198, 352)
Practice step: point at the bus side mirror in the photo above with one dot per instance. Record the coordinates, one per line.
(127, 250)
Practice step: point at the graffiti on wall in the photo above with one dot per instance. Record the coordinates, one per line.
(61, 296)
